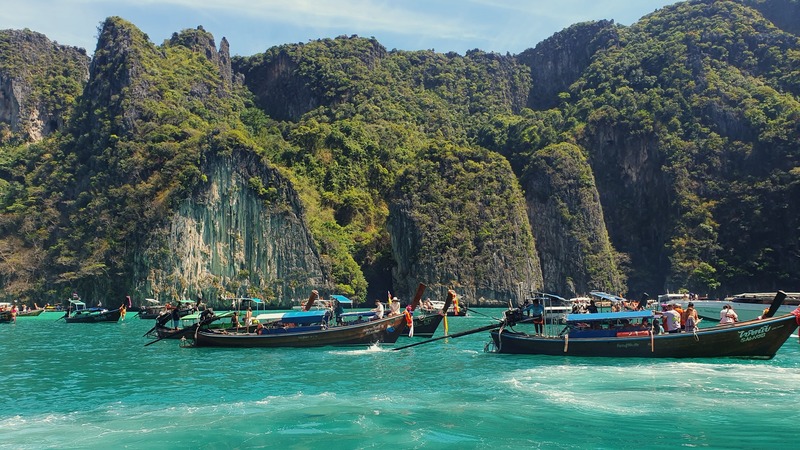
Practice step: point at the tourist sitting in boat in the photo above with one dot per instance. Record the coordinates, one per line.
(394, 307)
(727, 315)
(378, 309)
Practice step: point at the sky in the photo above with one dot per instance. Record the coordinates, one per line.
(253, 26)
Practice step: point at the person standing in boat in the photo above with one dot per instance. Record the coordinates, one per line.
(679, 310)
(592, 308)
(338, 310)
(690, 318)
(672, 320)
(248, 317)
(176, 316)
(728, 315)
(537, 315)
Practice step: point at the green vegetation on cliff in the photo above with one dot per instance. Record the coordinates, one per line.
(667, 157)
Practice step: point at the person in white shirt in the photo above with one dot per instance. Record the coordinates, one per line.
(728, 315)
(672, 320)
(378, 310)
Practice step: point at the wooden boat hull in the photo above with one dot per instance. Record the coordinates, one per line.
(425, 326)
(754, 339)
(163, 332)
(385, 330)
(31, 313)
(150, 312)
(111, 315)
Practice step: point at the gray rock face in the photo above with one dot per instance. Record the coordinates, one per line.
(231, 240)
(567, 219)
(29, 106)
(560, 60)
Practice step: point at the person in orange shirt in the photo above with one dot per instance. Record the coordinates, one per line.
(677, 307)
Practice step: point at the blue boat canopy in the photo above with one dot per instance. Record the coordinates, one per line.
(594, 317)
(342, 299)
(296, 317)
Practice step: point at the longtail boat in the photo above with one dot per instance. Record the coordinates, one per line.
(30, 312)
(307, 328)
(385, 330)
(79, 313)
(626, 334)
(427, 321)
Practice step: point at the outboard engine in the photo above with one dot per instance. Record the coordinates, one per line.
(513, 316)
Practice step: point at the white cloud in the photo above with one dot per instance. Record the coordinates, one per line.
(252, 26)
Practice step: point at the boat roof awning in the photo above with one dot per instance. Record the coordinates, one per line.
(605, 296)
(539, 295)
(342, 299)
(196, 315)
(151, 300)
(359, 313)
(296, 317)
(186, 301)
(594, 317)
(77, 302)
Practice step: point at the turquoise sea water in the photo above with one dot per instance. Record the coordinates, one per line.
(97, 386)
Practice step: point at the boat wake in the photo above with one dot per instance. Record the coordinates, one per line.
(374, 348)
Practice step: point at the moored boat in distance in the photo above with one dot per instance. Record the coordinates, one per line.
(151, 310)
(627, 334)
(30, 312)
(79, 313)
(456, 309)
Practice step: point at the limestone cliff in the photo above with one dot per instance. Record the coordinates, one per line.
(39, 81)
(459, 222)
(561, 59)
(243, 234)
(567, 221)
(201, 41)
(291, 80)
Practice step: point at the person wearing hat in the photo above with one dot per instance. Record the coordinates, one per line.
(394, 307)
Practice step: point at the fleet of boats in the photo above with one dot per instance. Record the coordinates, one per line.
(602, 325)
